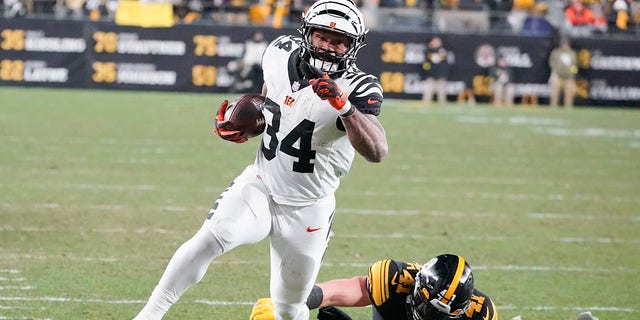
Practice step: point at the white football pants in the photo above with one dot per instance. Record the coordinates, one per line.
(244, 214)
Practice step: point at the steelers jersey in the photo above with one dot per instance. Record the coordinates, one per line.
(390, 282)
(305, 150)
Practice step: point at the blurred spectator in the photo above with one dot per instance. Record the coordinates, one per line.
(249, 68)
(370, 12)
(435, 70)
(499, 5)
(563, 62)
(499, 10)
(477, 5)
(298, 7)
(578, 14)
(634, 9)
(95, 9)
(14, 8)
(260, 13)
(449, 4)
(227, 11)
(188, 11)
(536, 23)
(236, 11)
(213, 10)
(519, 13)
(619, 15)
(580, 20)
(599, 23)
(41, 7)
(502, 89)
(555, 14)
(69, 9)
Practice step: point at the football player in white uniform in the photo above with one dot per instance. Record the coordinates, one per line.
(320, 108)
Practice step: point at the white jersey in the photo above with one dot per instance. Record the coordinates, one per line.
(305, 150)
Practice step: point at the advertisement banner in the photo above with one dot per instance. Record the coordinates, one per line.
(609, 71)
(204, 58)
(397, 58)
(42, 53)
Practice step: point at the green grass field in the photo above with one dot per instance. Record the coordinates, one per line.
(98, 189)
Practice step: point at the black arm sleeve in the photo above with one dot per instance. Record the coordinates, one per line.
(315, 298)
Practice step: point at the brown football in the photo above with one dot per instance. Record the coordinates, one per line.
(245, 114)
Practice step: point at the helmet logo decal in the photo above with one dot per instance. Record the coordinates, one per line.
(340, 16)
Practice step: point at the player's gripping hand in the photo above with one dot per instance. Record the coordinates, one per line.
(327, 89)
(221, 127)
(263, 310)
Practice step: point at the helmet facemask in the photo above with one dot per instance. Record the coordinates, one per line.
(325, 60)
(339, 16)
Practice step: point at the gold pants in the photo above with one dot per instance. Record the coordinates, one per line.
(568, 88)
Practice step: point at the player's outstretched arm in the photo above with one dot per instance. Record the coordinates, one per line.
(365, 132)
(341, 293)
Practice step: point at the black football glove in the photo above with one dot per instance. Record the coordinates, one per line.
(222, 128)
(332, 313)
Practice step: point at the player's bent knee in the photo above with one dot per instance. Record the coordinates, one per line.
(205, 243)
(223, 232)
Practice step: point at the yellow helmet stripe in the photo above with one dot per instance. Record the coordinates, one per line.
(455, 282)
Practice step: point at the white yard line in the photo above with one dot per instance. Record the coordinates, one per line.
(17, 288)
(23, 318)
(600, 240)
(515, 268)
(411, 194)
(576, 308)
(436, 213)
(505, 268)
(372, 212)
(500, 196)
(20, 279)
(250, 303)
(11, 256)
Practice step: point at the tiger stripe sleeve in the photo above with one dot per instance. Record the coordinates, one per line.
(378, 283)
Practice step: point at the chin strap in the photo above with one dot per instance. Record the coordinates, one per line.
(308, 71)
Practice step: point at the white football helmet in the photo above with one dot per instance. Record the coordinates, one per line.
(341, 16)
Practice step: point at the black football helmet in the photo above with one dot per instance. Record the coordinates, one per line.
(341, 16)
(442, 289)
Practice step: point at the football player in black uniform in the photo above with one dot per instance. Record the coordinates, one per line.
(443, 288)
